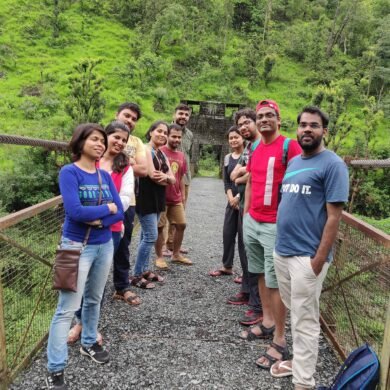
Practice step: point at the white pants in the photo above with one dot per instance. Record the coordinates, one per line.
(300, 290)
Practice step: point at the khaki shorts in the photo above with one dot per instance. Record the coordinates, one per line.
(174, 214)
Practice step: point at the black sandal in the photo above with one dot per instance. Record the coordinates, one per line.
(272, 360)
(265, 333)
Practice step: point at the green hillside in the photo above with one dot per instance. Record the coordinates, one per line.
(333, 53)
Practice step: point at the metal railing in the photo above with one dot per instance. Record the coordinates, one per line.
(28, 240)
(355, 295)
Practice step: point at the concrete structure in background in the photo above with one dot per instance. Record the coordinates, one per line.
(209, 123)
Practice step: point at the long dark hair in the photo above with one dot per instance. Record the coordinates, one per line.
(154, 126)
(80, 135)
(121, 160)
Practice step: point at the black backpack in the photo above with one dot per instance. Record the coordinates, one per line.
(359, 372)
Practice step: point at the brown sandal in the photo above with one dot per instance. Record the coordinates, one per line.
(127, 296)
(140, 282)
(153, 276)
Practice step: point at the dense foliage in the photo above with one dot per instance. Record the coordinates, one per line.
(63, 61)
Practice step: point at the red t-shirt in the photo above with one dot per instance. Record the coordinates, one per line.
(267, 171)
(178, 164)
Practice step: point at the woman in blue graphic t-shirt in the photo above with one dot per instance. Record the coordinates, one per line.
(79, 186)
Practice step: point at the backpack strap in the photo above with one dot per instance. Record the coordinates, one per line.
(286, 143)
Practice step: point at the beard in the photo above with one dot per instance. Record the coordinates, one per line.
(309, 147)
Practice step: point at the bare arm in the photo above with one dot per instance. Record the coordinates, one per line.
(161, 178)
(328, 238)
(140, 166)
(238, 171)
(248, 190)
(242, 179)
(183, 191)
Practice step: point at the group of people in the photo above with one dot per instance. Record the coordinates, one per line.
(113, 177)
(285, 199)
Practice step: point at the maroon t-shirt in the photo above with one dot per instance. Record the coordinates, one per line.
(177, 161)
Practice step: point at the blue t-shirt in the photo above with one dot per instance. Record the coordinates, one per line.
(80, 193)
(309, 183)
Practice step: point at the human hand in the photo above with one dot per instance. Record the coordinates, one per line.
(113, 208)
(316, 265)
(234, 202)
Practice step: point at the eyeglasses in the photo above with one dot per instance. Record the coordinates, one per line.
(313, 125)
(268, 115)
(245, 123)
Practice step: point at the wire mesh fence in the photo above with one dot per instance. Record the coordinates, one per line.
(355, 295)
(28, 240)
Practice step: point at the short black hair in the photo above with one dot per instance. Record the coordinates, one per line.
(315, 110)
(131, 106)
(233, 129)
(182, 107)
(174, 126)
(80, 135)
(247, 112)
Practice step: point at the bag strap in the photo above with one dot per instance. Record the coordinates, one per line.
(286, 143)
(87, 233)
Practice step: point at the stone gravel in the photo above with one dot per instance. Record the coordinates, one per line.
(183, 335)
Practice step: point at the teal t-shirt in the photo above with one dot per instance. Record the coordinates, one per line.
(309, 183)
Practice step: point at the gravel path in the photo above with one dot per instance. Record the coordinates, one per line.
(184, 335)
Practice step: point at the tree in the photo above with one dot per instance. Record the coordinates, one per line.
(85, 102)
(269, 63)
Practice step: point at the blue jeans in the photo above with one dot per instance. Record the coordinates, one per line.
(94, 266)
(116, 238)
(148, 237)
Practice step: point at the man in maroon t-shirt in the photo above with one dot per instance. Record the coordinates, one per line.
(266, 169)
(175, 199)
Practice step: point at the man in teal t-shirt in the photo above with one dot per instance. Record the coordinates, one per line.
(314, 190)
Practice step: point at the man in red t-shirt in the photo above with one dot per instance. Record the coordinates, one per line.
(266, 168)
(175, 199)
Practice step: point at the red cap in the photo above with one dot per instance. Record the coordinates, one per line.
(268, 103)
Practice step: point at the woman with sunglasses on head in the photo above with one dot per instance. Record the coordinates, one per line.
(90, 200)
(115, 162)
(150, 203)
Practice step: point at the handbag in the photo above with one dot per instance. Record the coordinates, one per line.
(66, 264)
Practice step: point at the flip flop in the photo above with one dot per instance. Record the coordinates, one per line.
(238, 280)
(282, 364)
(220, 272)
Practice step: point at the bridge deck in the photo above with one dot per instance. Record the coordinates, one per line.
(184, 335)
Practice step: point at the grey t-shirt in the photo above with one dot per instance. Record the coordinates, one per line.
(309, 183)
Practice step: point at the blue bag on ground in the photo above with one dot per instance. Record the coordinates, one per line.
(360, 371)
